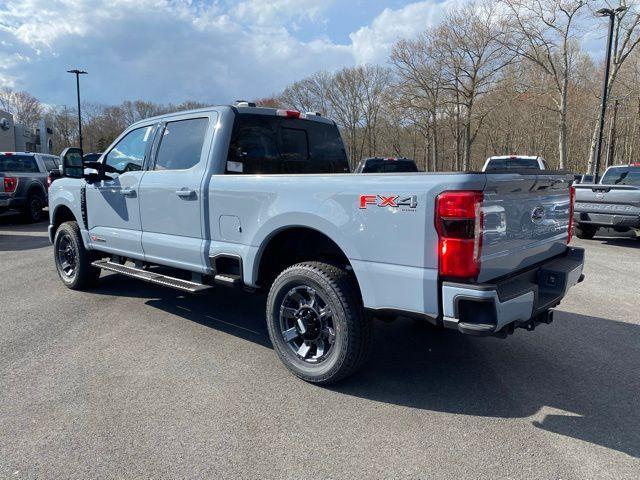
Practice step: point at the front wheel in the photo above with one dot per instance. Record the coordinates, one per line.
(316, 322)
(73, 261)
(586, 232)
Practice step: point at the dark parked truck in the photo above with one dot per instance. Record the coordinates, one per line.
(23, 182)
(259, 198)
(612, 203)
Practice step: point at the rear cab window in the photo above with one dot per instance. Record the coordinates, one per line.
(18, 164)
(514, 163)
(622, 176)
(395, 166)
(268, 144)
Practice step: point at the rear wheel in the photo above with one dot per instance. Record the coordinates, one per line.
(32, 212)
(586, 232)
(316, 322)
(73, 261)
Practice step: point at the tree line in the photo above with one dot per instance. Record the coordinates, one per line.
(493, 77)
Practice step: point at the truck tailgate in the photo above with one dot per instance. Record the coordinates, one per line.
(525, 221)
(608, 199)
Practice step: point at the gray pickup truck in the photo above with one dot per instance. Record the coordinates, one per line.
(258, 198)
(23, 182)
(612, 203)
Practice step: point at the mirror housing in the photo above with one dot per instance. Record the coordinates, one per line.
(71, 165)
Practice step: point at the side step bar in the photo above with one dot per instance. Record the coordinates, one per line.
(147, 276)
(227, 279)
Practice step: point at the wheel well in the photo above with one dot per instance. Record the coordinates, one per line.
(36, 188)
(295, 245)
(62, 214)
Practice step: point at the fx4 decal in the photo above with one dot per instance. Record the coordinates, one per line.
(396, 201)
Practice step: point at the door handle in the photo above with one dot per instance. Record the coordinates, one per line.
(128, 192)
(185, 193)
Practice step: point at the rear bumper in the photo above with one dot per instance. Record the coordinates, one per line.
(522, 300)
(607, 219)
(7, 202)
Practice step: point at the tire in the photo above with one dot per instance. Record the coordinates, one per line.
(317, 323)
(32, 212)
(586, 232)
(73, 261)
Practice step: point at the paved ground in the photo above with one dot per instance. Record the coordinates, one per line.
(132, 380)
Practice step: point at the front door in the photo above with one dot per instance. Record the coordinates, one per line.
(171, 196)
(113, 206)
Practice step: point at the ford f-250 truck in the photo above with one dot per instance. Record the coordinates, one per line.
(259, 198)
(612, 203)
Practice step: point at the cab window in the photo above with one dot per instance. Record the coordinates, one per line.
(128, 153)
(181, 144)
(268, 144)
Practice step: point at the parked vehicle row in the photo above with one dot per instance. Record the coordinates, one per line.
(258, 198)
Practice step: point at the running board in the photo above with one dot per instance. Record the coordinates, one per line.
(227, 279)
(147, 276)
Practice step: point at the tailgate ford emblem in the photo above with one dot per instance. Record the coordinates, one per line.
(537, 214)
(599, 195)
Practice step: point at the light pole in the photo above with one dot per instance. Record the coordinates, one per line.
(611, 13)
(77, 74)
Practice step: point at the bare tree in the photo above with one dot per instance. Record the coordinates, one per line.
(471, 44)
(25, 108)
(309, 94)
(419, 87)
(626, 37)
(543, 33)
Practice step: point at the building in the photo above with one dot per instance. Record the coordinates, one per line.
(19, 138)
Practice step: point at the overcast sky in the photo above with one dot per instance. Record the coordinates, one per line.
(209, 51)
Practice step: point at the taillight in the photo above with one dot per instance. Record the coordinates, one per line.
(10, 184)
(572, 199)
(459, 226)
(288, 113)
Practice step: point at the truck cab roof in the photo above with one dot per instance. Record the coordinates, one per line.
(246, 107)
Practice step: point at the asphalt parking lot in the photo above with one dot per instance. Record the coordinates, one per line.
(132, 380)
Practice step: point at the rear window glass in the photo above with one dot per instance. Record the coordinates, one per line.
(622, 176)
(264, 144)
(18, 164)
(50, 163)
(512, 163)
(389, 167)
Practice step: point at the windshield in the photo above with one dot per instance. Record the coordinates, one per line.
(18, 164)
(512, 163)
(622, 176)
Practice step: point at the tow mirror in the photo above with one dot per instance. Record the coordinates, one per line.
(72, 165)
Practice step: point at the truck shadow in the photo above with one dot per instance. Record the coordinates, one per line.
(16, 243)
(15, 235)
(610, 237)
(577, 377)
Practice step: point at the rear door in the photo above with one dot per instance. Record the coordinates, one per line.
(171, 192)
(113, 209)
(525, 221)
